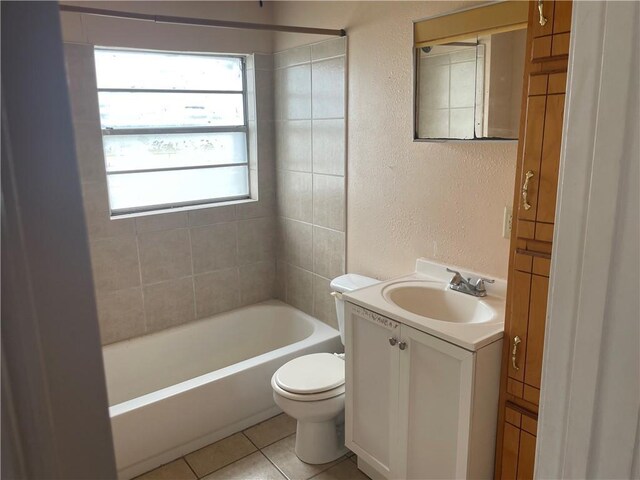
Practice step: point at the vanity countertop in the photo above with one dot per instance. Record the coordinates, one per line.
(470, 336)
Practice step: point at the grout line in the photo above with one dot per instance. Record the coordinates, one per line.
(276, 466)
(184, 458)
(193, 277)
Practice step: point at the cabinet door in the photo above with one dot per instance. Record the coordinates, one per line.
(519, 445)
(436, 380)
(371, 402)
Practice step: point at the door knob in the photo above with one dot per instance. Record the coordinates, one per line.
(393, 341)
(402, 345)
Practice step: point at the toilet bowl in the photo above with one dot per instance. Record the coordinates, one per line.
(311, 389)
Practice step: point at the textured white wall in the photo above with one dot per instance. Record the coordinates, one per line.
(443, 201)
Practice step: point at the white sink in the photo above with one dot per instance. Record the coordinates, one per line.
(434, 300)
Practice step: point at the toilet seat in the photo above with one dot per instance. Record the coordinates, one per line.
(309, 378)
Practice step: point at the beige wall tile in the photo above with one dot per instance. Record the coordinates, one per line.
(256, 240)
(328, 88)
(300, 289)
(295, 195)
(293, 93)
(212, 215)
(217, 292)
(293, 56)
(293, 145)
(162, 221)
(264, 94)
(328, 201)
(328, 252)
(164, 255)
(168, 303)
(220, 454)
(257, 282)
(281, 274)
(329, 146)
(324, 306)
(115, 263)
(271, 430)
(214, 247)
(329, 48)
(89, 152)
(296, 243)
(81, 77)
(282, 454)
(263, 61)
(176, 470)
(120, 314)
(253, 466)
(97, 213)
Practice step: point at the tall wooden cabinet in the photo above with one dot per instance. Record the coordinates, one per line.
(531, 240)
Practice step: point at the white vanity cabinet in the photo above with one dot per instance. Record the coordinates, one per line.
(418, 407)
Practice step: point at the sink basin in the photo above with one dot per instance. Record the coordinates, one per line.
(436, 301)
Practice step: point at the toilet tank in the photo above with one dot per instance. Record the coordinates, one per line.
(343, 284)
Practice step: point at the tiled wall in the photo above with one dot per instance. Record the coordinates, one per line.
(310, 163)
(448, 94)
(156, 271)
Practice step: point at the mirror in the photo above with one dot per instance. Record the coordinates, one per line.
(470, 89)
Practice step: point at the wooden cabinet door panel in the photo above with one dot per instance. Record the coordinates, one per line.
(526, 456)
(549, 165)
(518, 446)
(548, 8)
(535, 331)
(562, 16)
(510, 447)
(518, 323)
(533, 137)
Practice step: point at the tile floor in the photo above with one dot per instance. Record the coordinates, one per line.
(264, 451)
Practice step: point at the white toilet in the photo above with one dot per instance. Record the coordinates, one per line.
(311, 390)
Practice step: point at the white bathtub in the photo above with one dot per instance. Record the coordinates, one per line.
(175, 391)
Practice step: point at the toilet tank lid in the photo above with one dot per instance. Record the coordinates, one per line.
(350, 282)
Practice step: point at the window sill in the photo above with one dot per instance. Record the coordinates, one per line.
(185, 208)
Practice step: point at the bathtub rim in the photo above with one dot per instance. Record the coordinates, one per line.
(321, 331)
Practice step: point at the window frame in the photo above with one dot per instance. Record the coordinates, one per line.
(244, 128)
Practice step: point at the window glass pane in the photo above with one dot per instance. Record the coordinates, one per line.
(151, 110)
(135, 190)
(166, 71)
(138, 152)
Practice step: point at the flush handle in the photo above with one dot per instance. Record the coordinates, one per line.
(402, 345)
(514, 353)
(525, 190)
(393, 341)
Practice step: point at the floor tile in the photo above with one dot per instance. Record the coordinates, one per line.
(282, 455)
(255, 466)
(345, 470)
(176, 470)
(220, 454)
(271, 430)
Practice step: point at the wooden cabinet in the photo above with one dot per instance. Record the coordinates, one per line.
(416, 406)
(534, 209)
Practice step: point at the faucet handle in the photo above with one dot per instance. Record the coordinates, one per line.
(457, 278)
(480, 283)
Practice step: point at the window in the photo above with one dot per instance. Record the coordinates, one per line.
(174, 128)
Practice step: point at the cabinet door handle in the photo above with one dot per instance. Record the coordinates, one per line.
(402, 345)
(543, 19)
(525, 190)
(514, 353)
(393, 341)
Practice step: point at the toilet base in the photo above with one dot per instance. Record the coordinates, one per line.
(320, 442)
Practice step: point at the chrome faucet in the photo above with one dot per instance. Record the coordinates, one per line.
(471, 285)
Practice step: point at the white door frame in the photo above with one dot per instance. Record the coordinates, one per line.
(597, 219)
